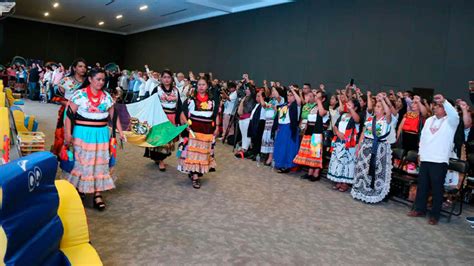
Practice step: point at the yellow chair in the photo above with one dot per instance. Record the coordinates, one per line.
(75, 241)
(11, 100)
(31, 123)
(24, 122)
(4, 125)
(19, 118)
(2, 99)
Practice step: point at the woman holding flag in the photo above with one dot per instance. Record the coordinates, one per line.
(86, 129)
(171, 104)
(200, 113)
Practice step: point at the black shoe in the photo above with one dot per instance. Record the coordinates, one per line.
(212, 170)
(305, 176)
(314, 178)
(196, 183)
(99, 205)
(283, 171)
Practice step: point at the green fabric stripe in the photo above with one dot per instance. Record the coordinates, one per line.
(163, 133)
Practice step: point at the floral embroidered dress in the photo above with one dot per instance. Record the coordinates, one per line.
(374, 162)
(310, 151)
(196, 154)
(68, 85)
(91, 171)
(342, 165)
(270, 113)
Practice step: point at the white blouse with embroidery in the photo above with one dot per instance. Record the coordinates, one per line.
(87, 110)
(168, 103)
(381, 129)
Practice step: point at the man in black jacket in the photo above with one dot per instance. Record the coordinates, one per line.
(33, 82)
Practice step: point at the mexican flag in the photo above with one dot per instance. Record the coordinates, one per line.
(145, 124)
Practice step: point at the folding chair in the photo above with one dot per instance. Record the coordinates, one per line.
(457, 194)
(401, 179)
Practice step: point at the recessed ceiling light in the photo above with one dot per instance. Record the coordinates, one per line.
(143, 7)
(101, 23)
(119, 17)
(55, 4)
(46, 14)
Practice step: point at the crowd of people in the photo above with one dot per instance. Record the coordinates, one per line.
(349, 133)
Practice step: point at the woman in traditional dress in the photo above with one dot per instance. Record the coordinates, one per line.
(287, 132)
(342, 164)
(256, 127)
(244, 111)
(66, 88)
(269, 109)
(21, 77)
(374, 156)
(200, 113)
(171, 103)
(410, 127)
(86, 129)
(310, 152)
(333, 110)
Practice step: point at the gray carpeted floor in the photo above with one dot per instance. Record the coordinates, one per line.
(245, 214)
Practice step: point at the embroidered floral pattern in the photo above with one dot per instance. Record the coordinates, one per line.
(85, 107)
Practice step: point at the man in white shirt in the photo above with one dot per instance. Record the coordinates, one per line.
(179, 81)
(137, 86)
(229, 105)
(47, 80)
(152, 82)
(123, 80)
(436, 144)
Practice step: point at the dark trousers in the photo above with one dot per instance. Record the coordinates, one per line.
(33, 91)
(257, 140)
(135, 96)
(410, 142)
(431, 175)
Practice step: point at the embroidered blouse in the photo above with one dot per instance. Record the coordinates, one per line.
(168, 99)
(382, 127)
(69, 85)
(284, 114)
(307, 110)
(269, 111)
(412, 122)
(87, 110)
(201, 109)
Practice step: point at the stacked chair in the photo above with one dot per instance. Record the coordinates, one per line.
(11, 100)
(4, 130)
(23, 122)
